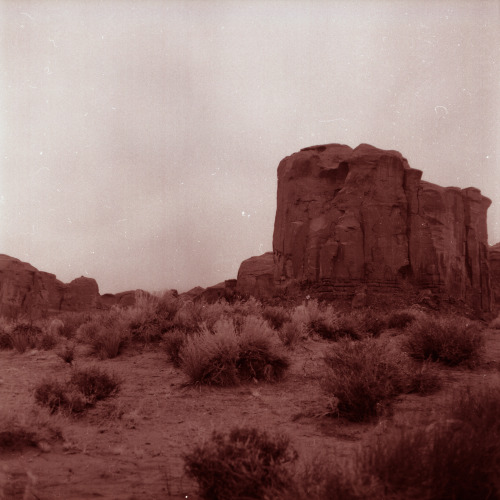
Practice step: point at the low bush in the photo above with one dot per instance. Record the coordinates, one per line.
(400, 319)
(361, 378)
(335, 328)
(85, 387)
(106, 333)
(210, 358)
(456, 457)
(372, 323)
(25, 336)
(258, 357)
(276, 316)
(71, 322)
(246, 463)
(66, 352)
(291, 333)
(451, 341)
(174, 341)
(57, 396)
(94, 383)
(233, 353)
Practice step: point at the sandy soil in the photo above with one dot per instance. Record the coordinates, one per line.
(131, 446)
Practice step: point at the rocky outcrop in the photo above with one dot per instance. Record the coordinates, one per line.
(26, 290)
(350, 218)
(256, 276)
(495, 272)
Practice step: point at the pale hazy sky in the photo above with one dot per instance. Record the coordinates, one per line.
(140, 139)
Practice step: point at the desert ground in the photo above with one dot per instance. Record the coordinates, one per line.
(132, 444)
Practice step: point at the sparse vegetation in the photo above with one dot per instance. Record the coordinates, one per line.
(456, 457)
(94, 383)
(361, 378)
(25, 336)
(246, 463)
(226, 357)
(83, 390)
(290, 333)
(174, 342)
(276, 316)
(400, 319)
(451, 341)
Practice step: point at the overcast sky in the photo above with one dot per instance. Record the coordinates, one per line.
(140, 139)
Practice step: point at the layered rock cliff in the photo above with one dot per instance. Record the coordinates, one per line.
(350, 218)
(495, 272)
(26, 290)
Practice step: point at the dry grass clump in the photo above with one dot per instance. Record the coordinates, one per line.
(246, 463)
(400, 319)
(85, 387)
(25, 336)
(106, 333)
(276, 316)
(259, 358)
(227, 356)
(174, 341)
(291, 333)
(363, 377)
(449, 340)
(456, 457)
(71, 321)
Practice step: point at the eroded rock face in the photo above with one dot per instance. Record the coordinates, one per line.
(349, 217)
(495, 271)
(256, 276)
(26, 290)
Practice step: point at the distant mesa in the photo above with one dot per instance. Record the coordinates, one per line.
(361, 221)
(24, 290)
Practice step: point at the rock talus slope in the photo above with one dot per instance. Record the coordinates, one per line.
(350, 218)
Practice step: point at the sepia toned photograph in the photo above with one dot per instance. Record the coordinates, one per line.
(250, 249)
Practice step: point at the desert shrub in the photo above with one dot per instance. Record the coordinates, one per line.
(55, 327)
(66, 352)
(361, 377)
(276, 316)
(150, 330)
(189, 316)
(174, 341)
(423, 378)
(168, 305)
(456, 457)
(335, 328)
(246, 463)
(106, 333)
(258, 357)
(47, 341)
(85, 387)
(94, 383)
(210, 358)
(24, 336)
(451, 341)
(372, 323)
(71, 321)
(57, 395)
(400, 319)
(233, 353)
(291, 333)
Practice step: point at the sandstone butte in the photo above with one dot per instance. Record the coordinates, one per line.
(350, 223)
(358, 222)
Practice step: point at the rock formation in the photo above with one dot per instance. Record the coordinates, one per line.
(26, 290)
(495, 272)
(362, 219)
